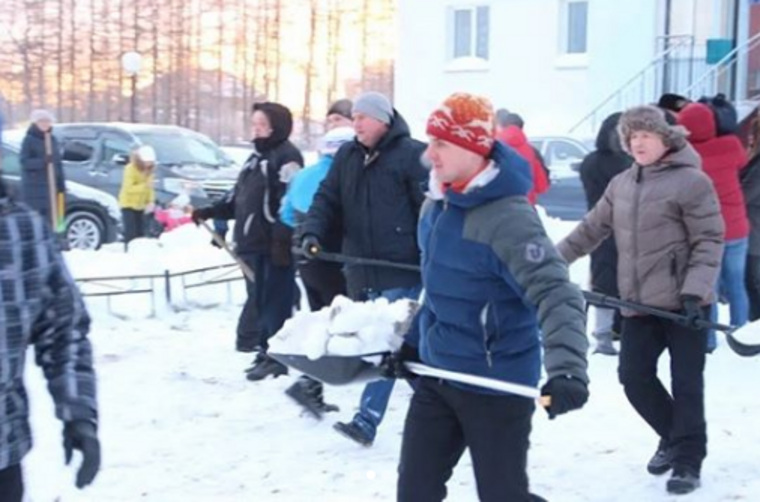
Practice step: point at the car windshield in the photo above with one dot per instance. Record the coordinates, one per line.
(181, 149)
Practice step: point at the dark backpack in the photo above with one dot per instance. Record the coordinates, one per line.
(726, 118)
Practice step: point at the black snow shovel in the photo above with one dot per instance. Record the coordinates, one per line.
(334, 370)
(740, 348)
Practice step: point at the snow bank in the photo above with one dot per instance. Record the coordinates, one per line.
(346, 328)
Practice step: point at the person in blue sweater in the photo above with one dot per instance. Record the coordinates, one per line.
(495, 291)
(322, 280)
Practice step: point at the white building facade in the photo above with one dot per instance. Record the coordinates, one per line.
(555, 61)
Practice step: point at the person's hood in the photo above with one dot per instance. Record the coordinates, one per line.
(700, 121)
(608, 138)
(397, 130)
(281, 121)
(512, 136)
(507, 175)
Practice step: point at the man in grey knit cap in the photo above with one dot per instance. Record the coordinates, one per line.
(373, 192)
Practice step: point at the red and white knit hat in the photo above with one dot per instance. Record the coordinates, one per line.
(465, 120)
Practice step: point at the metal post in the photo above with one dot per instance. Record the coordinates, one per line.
(733, 92)
(168, 287)
(133, 100)
(152, 297)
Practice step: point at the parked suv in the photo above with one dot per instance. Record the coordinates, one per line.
(92, 217)
(94, 154)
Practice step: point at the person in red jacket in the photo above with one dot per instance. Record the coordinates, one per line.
(723, 157)
(509, 131)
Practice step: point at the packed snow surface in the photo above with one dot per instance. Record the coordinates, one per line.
(179, 422)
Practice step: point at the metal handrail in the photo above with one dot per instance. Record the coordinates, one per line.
(731, 58)
(659, 58)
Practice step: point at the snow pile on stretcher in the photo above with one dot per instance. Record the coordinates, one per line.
(346, 328)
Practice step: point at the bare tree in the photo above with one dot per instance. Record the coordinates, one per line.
(313, 13)
(205, 61)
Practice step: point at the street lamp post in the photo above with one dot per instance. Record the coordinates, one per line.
(131, 62)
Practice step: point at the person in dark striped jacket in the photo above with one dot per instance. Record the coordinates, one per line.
(40, 306)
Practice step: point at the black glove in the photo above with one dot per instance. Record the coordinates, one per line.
(566, 393)
(81, 435)
(201, 214)
(393, 364)
(692, 310)
(310, 246)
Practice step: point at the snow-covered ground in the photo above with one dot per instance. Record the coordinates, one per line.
(180, 423)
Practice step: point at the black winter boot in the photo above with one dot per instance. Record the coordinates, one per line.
(265, 368)
(683, 480)
(308, 393)
(661, 461)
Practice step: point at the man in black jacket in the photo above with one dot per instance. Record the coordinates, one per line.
(41, 306)
(750, 178)
(262, 240)
(597, 170)
(374, 192)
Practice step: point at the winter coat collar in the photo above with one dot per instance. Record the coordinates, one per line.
(507, 175)
(281, 122)
(36, 131)
(398, 129)
(685, 157)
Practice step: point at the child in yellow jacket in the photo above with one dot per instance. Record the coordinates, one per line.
(136, 197)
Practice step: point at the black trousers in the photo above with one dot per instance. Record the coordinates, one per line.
(250, 332)
(133, 222)
(11, 484)
(678, 418)
(753, 286)
(323, 282)
(442, 421)
(270, 299)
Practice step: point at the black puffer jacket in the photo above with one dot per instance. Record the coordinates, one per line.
(254, 203)
(750, 178)
(375, 196)
(597, 170)
(35, 191)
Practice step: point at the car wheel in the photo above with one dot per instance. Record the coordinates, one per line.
(84, 231)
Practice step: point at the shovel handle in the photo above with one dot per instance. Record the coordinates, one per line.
(247, 272)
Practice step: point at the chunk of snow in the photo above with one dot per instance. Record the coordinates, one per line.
(346, 328)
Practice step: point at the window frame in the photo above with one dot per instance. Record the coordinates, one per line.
(565, 29)
(473, 8)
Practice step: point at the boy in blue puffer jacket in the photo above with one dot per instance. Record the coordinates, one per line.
(492, 280)
(322, 280)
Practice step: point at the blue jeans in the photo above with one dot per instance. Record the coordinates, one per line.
(731, 284)
(376, 395)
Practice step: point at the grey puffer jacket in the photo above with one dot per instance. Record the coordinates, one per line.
(668, 227)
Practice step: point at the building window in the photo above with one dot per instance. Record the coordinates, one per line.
(471, 27)
(575, 23)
